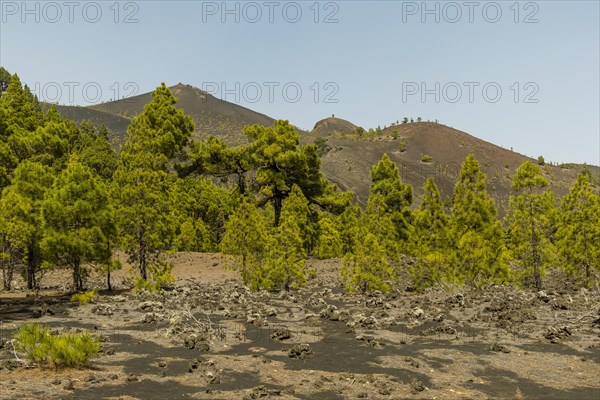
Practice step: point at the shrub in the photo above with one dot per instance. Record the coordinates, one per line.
(321, 144)
(359, 131)
(403, 145)
(160, 278)
(84, 297)
(540, 160)
(66, 349)
(426, 158)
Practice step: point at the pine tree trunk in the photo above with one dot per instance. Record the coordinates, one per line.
(31, 267)
(143, 266)
(5, 280)
(10, 269)
(536, 259)
(8, 266)
(77, 279)
(241, 184)
(8, 272)
(143, 262)
(108, 281)
(277, 205)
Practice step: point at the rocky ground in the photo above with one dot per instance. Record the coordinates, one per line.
(210, 338)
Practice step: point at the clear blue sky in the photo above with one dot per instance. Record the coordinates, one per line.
(373, 58)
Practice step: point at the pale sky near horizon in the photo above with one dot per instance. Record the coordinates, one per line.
(521, 74)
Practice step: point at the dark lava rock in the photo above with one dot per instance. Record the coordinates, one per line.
(195, 342)
(300, 351)
(281, 334)
(560, 304)
(543, 296)
(70, 385)
(40, 311)
(260, 392)
(417, 385)
(132, 378)
(10, 364)
(499, 348)
(556, 334)
(103, 309)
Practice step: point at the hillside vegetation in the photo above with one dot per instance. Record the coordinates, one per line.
(271, 200)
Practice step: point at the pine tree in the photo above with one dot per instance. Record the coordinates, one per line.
(388, 206)
(579, 230)
(142, 184)
(143, 207)
(384, 225)
(329, 243)
(5, 78)
(430, 243)
(298, 208)
(21, 215)
(386, 182)
(200, 209)
(161, 129)
(78, 221)
(95, 150)
(20, 117)
(280, 162)
(476, 232)
(213, 157)
(530, 221)
(348, 223)
(431, 221)
(367, 268)
(284, 266)
(23, 112)
(247, 238)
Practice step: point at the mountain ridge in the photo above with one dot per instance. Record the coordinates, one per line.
(420, 149)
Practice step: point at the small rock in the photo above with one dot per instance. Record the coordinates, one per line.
(151, 317)
(559, 304)
(418, 313)
(132, 378)
(418, 385)
(150, 306)
(543, 296)
(439, 317)
(271, 312)
(300, 351)
(70, 385)
(385, 391)
(281, 334)
(499, 348)
(103, 309)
